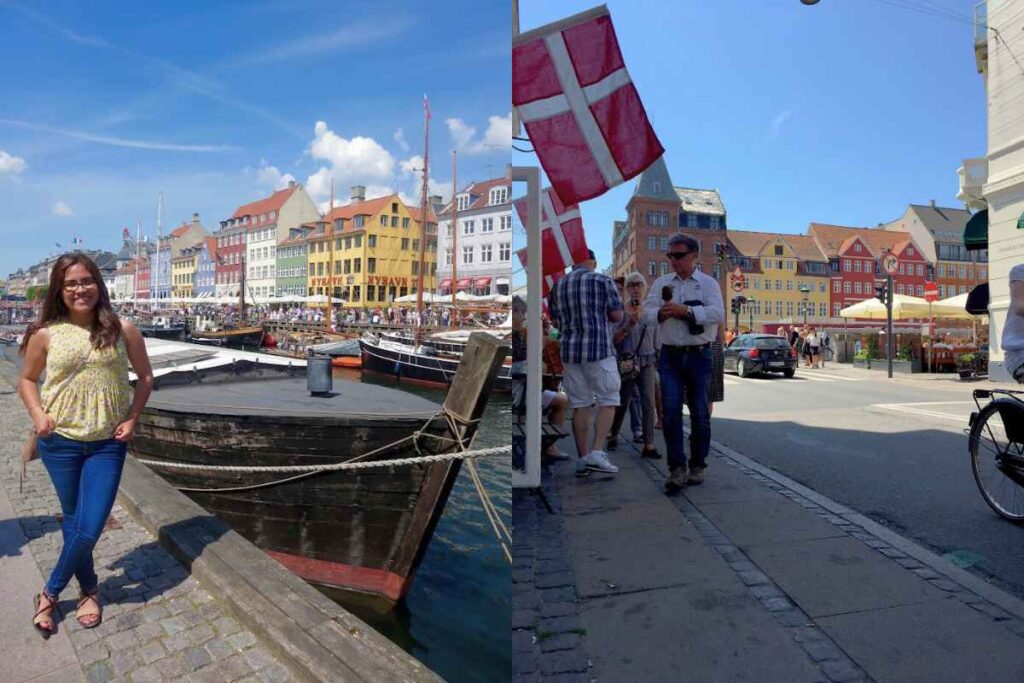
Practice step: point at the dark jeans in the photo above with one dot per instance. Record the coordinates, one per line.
(685, 377)
(636, 420)
(86, 475)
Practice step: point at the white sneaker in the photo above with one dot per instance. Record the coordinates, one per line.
(598, 462)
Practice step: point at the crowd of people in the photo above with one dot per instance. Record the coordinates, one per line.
(628, 346)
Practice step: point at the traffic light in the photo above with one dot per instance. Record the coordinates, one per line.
(880, 292)
(735, 306)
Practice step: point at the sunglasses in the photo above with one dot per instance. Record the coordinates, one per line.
(678, 254)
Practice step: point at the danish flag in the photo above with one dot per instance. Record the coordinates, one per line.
(563, 242)
(580, 107)
(549, 279)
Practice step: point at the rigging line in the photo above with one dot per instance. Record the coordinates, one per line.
(524, 151)
(912, 8)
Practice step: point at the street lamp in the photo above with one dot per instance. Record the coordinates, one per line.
(750, 309)
(805, 290)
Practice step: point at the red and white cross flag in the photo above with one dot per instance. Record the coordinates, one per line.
(549, 279)
(581, 110)
(563, 242)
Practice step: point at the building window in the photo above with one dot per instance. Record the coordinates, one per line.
(467, 254)
(371, 265)
(778, 285)
(652, 242)
(504, 223)
(499, 195)
(856, 288)
(467, 227)
(778, 308)
(384, 220)
(664, 268)
(505, 251)
(486, 225)
(821, 288)
(664, 244)
(846, 288)
(846, 265)
(463, 202)
(447, 257)
(789, 285)
(485, 253)
(405, 243)
(691, 220)
(652, 269)
(371, 241)
(836, 285)
(716, 222)
(920, 290)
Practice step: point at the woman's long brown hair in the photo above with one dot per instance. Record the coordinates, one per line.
(106, 327)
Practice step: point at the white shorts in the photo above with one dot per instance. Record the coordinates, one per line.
(546, 397)
(587, 384)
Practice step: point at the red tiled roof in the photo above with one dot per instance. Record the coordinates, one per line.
(367, 207)
(483, 191)
(181, 229)
(211, 248)
(272, 203)
(833, 238)
(749, 243)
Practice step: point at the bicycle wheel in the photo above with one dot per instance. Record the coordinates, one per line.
(997, 456)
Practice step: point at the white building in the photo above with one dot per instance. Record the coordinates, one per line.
(483, 244)
(998, 178)
(266, 223)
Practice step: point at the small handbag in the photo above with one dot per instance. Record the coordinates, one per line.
(30, 449)
(629, 370)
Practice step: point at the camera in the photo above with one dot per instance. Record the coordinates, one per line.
(691, 323)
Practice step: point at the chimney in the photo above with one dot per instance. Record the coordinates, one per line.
(434, 200)
(291, 184)
(358, 193)
(932, 202)
(195, 219)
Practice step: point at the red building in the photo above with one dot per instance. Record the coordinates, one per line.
(142, 278)
(855, 256)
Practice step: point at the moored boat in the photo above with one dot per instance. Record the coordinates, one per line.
(418, 364)
(237, 337)
(359, 530)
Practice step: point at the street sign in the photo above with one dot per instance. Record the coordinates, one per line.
(890, 263)
(931, 291)
(736, 279)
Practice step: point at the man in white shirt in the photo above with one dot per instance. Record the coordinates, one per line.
(687, 307)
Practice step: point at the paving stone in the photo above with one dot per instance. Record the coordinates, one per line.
(926, 573)
(946, 585)
(173, 667)
(273, 674)
(558, 624)
(523, 640)
(568, 678)
(152, 652)
(93, 653)
(562, 641)
(99, 672)
(219, 649)
(557, 609)
(822, 650)
(777, 604)
(554, 580)
(258, 658)
(563, 594)
(753, 578)
(791, 618)
(242, 640)
(842, 671)
(226, 626)
(123, 662)
(178, 641)
(200, 634)
(196, 657)
(172, 625)
(562, 662)
(148, 631)
(147, 674)
(121, 642)
(523, 663)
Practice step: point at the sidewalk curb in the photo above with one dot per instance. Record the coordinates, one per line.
(315, 637)
(940, 565)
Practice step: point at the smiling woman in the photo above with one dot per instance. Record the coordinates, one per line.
(82, 418)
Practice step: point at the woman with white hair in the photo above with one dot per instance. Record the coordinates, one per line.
(634, 344)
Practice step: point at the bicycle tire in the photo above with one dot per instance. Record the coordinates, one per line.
(984, 447)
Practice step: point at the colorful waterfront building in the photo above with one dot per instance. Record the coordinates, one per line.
(206, 267)
(186, 235)
(483, 258)
(142, 278)
(855, 256)
(230, 252)
(785, 279)
(293, 261)
(939, 231)
(266, 223)
(183, 272)
(375, 250)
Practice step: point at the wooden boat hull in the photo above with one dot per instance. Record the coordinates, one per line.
(406, 366)
(174, 333)
(362, 531)
(347, 362)
(250, 337)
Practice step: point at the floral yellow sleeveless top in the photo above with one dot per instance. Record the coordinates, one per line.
(91, 406)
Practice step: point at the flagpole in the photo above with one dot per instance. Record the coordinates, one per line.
(330, 264)
(138, 235)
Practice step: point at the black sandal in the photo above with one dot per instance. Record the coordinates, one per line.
(42, 630)
(94, 596)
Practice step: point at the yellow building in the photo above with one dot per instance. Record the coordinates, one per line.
(375, 252)
(785, 277)
(183, 273)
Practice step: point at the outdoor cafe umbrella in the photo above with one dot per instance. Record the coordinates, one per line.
(904, 307)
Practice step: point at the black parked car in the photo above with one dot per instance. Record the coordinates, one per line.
(749, 354)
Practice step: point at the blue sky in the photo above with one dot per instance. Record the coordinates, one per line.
(217, 103)
(843, 112)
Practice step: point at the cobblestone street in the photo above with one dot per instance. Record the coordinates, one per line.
(158, 622)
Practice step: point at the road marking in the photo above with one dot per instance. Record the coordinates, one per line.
(906, 408)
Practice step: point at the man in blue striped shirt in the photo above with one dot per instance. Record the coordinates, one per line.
(582, 304)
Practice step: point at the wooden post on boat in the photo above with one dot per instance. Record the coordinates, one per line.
(466, 400)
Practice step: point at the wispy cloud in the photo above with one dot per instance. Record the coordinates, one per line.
(182, 78)
(115, 141)
(497, 138)
(61, 209)
(355, 35)
(775, 127)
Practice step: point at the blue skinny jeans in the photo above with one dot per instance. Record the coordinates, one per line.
(86, 475)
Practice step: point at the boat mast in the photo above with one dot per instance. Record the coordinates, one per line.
(330, 262)
(423, 218)
(241, 290)
(455, 242)
(154, 276)
(138, 259)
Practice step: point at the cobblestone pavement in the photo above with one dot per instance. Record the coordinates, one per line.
(158, 622)
(547, 640)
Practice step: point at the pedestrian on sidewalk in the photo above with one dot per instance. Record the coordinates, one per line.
(1013, 330)
(634, 343)
(582, 305)
(83, 417)
(812, 343)
(687, 307)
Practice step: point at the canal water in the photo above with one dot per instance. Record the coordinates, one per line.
(457, 617)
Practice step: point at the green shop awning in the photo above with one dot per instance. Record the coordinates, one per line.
(976, 232)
